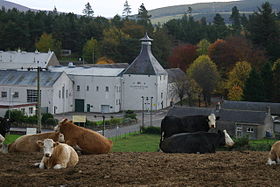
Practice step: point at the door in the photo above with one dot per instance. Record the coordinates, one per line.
(88, 107)
(79, 105)
(105, 108)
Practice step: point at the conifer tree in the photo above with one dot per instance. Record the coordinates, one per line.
(126, 10)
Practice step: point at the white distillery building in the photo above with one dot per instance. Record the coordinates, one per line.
(22, 59)
(18, 90)
(96, 89)
(144, 84)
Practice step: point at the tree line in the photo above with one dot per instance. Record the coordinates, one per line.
(232, 54)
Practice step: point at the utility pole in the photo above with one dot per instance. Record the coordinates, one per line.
(142, 112)
(151, 110)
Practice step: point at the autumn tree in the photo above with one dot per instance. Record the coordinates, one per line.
(90, 51)
(276, 81)
(182, 56)
(88, 10)
(205, 73)
(47, 42)
(202, 47)
(236, 80)
(254, 87)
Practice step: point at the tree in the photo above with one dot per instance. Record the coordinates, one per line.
(126, 10)
(236, 80)
(235, 20)
(47, 42)
(88, 10)
(182, 56)
(254, 87)
(202, 47)
(205, 73)
(180, 87)
(143, 18)
(90, 50)
(220, 29)
(276, 80)
(267, 77)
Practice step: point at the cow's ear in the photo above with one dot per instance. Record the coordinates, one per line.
(55, 144)
(63, 121)
(40, 143)
(217, 118)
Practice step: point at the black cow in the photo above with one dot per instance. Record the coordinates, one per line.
(197, 142)
(171, 125)
(5, 125)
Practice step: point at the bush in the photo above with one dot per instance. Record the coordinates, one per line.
(150, 130)
(30, 119)
(15, 115)
(240, 143)
(51, 122)
(116, 121)
(45, 117)
(91, 123)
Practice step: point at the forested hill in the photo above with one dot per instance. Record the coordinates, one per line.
(209, 10)
(10, 5)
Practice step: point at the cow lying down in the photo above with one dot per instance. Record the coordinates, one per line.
(82, 139)
(274, 154)
(27, 143)
(197, 142)
(57, 155)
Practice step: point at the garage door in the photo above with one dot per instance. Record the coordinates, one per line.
(79, 105)
(105, 108)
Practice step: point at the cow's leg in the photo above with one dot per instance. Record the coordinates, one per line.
(41, 164)
(58, 166)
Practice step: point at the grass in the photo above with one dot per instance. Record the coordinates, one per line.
(11, 138)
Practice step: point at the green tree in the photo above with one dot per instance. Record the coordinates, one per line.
(235, 20)
(267, 77)
(219, 27)
(143, 18)
(276, 81)
(202, 47)
(90, 51)
(88, 10)
(205, 73)
(47, 42)
(254, 87)
(126, 10)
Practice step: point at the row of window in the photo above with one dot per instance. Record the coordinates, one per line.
(78, 88)
(249, 129)
(5, 95)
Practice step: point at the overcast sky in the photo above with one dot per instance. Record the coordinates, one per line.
(105, 8)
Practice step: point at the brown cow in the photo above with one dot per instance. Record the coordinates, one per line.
(274, 154)
(27, 143)
(86, 140)
(57, 155)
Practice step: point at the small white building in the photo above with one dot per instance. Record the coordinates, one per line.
(18, 90)
(144, 84)
(22, 59)
(96, 89)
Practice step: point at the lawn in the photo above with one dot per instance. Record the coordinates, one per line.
(11, 138)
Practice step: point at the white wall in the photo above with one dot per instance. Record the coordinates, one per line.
(101, 97)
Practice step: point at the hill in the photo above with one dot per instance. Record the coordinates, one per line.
(10, 5)
(209, 10)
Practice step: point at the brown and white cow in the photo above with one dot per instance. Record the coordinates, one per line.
(85, 140)
(274, 154)
(57, 155)
(2, 139)
(28, 143)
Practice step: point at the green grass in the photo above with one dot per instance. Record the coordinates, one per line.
(11, 138)
(136, 143)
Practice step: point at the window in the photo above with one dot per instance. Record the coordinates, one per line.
(87, 88)
(250, 129)
(107, 89)
(59, 94)
(161, 95)
(117, 102)
(3, 94)
(63, 92)
(30, 110)
(138, 82)
(66, 93)
(32, 96)
(15, 95)
(97, 88)
(78, 87)
(23, 110)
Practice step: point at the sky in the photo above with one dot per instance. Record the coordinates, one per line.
(105, 8)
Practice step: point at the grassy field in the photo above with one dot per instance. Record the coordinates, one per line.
(11, 138)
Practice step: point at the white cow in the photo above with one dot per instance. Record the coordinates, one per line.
(57, 155)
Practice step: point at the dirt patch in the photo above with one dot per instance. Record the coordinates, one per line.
(148, 169)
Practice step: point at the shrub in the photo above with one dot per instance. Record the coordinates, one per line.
(31, 119)
(15, 115)
(91, 123)
(116, 121)
(150, 130)
(51, 122)
(45, 117)
(240, 143)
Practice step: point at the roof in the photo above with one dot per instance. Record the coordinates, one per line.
(145, 63)
(18, 59)
(175, 74)
(116, 65)
(255, 106)
(92, 71)
(256, 117)
(28, 78)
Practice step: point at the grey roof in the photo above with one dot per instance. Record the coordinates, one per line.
(175, 74)
(145, 63)
(255, 106)
(28, 78)
(116, 65)
(256, 117)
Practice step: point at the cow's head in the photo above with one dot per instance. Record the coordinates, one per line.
(212, 120)
(228, 141)
(61, 138)
(57, 127)
(48, 146)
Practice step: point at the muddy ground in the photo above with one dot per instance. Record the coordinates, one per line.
(144, 169)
